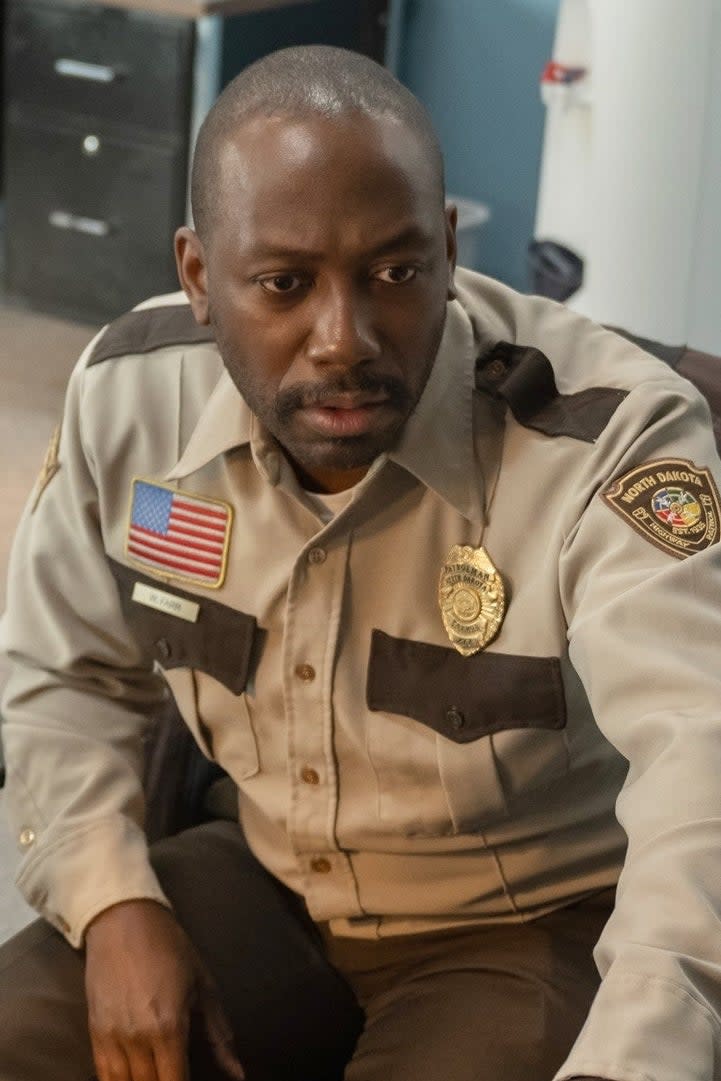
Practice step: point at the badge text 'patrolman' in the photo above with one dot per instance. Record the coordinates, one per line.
(471, 597)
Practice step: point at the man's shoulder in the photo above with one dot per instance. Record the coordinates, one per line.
(559, 371)
(582, 353)
(153, 362)
(158, 323)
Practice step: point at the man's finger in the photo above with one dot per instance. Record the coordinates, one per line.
(110, 1062)
(171, 1060)
(141, 1062)
(164, 1060)
(220, 1035)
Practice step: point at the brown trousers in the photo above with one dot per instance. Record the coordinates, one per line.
(489, 1004)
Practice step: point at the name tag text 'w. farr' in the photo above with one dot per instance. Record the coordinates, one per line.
(152, 597)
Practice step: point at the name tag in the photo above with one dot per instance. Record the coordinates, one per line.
(152, 597)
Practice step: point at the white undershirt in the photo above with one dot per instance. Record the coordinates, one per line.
(328, 504)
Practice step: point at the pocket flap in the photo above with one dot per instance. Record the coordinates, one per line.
(219, 641)
(464, 698)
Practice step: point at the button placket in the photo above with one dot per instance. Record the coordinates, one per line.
(312, 621)
(313, 611)
(310, 591)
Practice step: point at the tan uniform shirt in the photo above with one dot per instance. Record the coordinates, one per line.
(395, 783)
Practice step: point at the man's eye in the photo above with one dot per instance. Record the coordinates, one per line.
(396, 275)
(281, 283)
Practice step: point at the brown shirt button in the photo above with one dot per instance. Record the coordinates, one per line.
(495, 370)
(164, 649)
(306, 672)
(317, 555)
(320, 865)
(309, 775)
(455, 718)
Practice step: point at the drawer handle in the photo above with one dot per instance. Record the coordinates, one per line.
(60, 219)
(78, 69)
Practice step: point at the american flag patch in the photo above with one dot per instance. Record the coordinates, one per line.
(178, 535)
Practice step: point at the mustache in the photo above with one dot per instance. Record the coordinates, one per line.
(305, 395)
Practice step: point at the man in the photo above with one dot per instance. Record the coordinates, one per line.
(395, 536)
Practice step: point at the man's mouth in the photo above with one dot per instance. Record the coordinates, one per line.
(346, 414)
(350, 400)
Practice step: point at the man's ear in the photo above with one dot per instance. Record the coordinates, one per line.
(451, 247)
(192, 272)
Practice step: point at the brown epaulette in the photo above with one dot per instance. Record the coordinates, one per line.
(149, 329)
(523, 377)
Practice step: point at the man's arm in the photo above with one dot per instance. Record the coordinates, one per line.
(644, 623)
(78, 702)
(80, 689)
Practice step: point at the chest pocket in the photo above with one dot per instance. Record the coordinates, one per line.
(221, 643)
(460, 736)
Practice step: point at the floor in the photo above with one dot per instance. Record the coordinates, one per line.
(37, 353)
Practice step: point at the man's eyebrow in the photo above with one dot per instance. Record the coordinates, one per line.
(411, 236)
(408, 237)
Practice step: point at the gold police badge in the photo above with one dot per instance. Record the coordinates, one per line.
(472, 598)
(671, 502)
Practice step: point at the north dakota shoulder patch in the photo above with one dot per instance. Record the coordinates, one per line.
(671, 502)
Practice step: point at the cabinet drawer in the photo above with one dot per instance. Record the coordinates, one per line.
(91, 234)
(125, 67)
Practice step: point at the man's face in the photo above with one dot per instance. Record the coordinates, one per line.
(325, 276)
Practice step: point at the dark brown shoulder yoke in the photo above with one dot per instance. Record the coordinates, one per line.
(149, 329)
(523, 377)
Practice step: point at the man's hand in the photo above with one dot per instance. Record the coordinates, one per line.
(143, 980)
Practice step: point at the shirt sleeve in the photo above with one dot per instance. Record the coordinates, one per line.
(77, 703)
(644, 627)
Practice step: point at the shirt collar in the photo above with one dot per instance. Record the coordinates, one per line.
(226, 422)
(436, 446)
(437, 443)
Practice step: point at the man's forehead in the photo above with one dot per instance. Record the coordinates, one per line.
(253, 146)
(310, 180)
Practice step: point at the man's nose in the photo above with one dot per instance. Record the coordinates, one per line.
(343, 332)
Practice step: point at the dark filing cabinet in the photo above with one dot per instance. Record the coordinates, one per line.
(96, 150)
(102, 103)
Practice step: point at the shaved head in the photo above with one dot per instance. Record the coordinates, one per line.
(315, 79)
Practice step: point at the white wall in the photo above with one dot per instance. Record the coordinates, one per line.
(705, 318)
